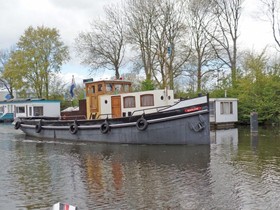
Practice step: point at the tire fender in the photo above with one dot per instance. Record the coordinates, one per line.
(141, 124)
(105, 127)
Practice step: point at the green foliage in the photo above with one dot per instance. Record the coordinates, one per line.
(39, 53)
(147, 85)
(258, 89)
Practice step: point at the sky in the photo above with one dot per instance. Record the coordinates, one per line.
(71, 17)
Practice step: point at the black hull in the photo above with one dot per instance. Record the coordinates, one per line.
(176, 125)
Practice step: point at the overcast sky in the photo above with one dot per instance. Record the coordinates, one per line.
(73, 16)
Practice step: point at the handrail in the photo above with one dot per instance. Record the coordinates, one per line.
(158, 108)
(97, 117)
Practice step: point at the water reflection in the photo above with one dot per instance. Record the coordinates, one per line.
(237, 171)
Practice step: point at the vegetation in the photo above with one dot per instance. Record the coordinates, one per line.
(190, 46)
(38, 55)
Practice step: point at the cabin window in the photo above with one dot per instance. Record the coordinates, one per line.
(147, 100)
(211, 108)
(129, 102)
(38, 111)
(118, 87)
(93, 89)
(20, 109)
(1, 109)
(109, 87)
(99, 87)
(30, 111)
(126, 88)
(226, 108)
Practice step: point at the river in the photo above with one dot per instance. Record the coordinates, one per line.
(237, 171)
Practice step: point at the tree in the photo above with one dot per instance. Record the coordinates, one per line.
(203, 59)
(104, 45)
(6, 82)
(226, 16)
(156, 30)
(258, 88)
(272, 12)
(39, 53)
(140, 19)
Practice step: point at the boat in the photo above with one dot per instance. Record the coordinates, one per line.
(183, 122)
(63, 206)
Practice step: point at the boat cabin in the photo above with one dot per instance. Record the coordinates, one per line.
(113, 98)
(29, 108)
(223, 112)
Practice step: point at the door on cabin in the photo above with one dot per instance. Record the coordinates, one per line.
(116, 106)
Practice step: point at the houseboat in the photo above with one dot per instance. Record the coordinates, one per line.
(223, 112)
(14, 108)
(114, 114)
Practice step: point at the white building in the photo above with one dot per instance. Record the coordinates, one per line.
(223, 112)
(29, 108)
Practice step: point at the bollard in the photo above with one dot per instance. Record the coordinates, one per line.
(254, 122)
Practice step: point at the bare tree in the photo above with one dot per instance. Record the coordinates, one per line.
(203, 57)
(156, 30)
(272, 12)
(171, 39)
(104, 46)
(141, 15)
(225, 32)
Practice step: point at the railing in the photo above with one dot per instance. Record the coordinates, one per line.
(158, 108)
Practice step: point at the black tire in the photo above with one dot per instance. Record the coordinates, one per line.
(141, 124)
(17, 125)
(73, 128)
(105, 127)
(38, 127)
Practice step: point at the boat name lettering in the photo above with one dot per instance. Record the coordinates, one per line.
(192, 109)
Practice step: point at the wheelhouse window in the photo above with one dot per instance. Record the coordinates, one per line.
(226, 108)
(99, 87)
(20, 109)
(109, 87)
(93, 89)
(126, 88)
(38, 111)
(147, 100)
(129, 102)
(118, 87)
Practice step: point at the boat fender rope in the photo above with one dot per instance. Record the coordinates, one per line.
(141, 124)
(38, 127)
(17, 125)
(74, 128)
(105, 127)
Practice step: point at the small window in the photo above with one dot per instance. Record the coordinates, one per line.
(129, 102)
(118, 87)
(20, 109)
(93, 89)
(126, 88)
(99, 87)
(109, 87)
(38, 111)
(147, 100)
(30, 111)
(226, 108)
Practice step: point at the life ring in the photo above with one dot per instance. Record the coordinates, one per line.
(105, 127)
(73, 128)
(141, 124)
(38, 127)
(17, 125)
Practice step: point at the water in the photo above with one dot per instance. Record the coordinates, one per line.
(237, 171)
